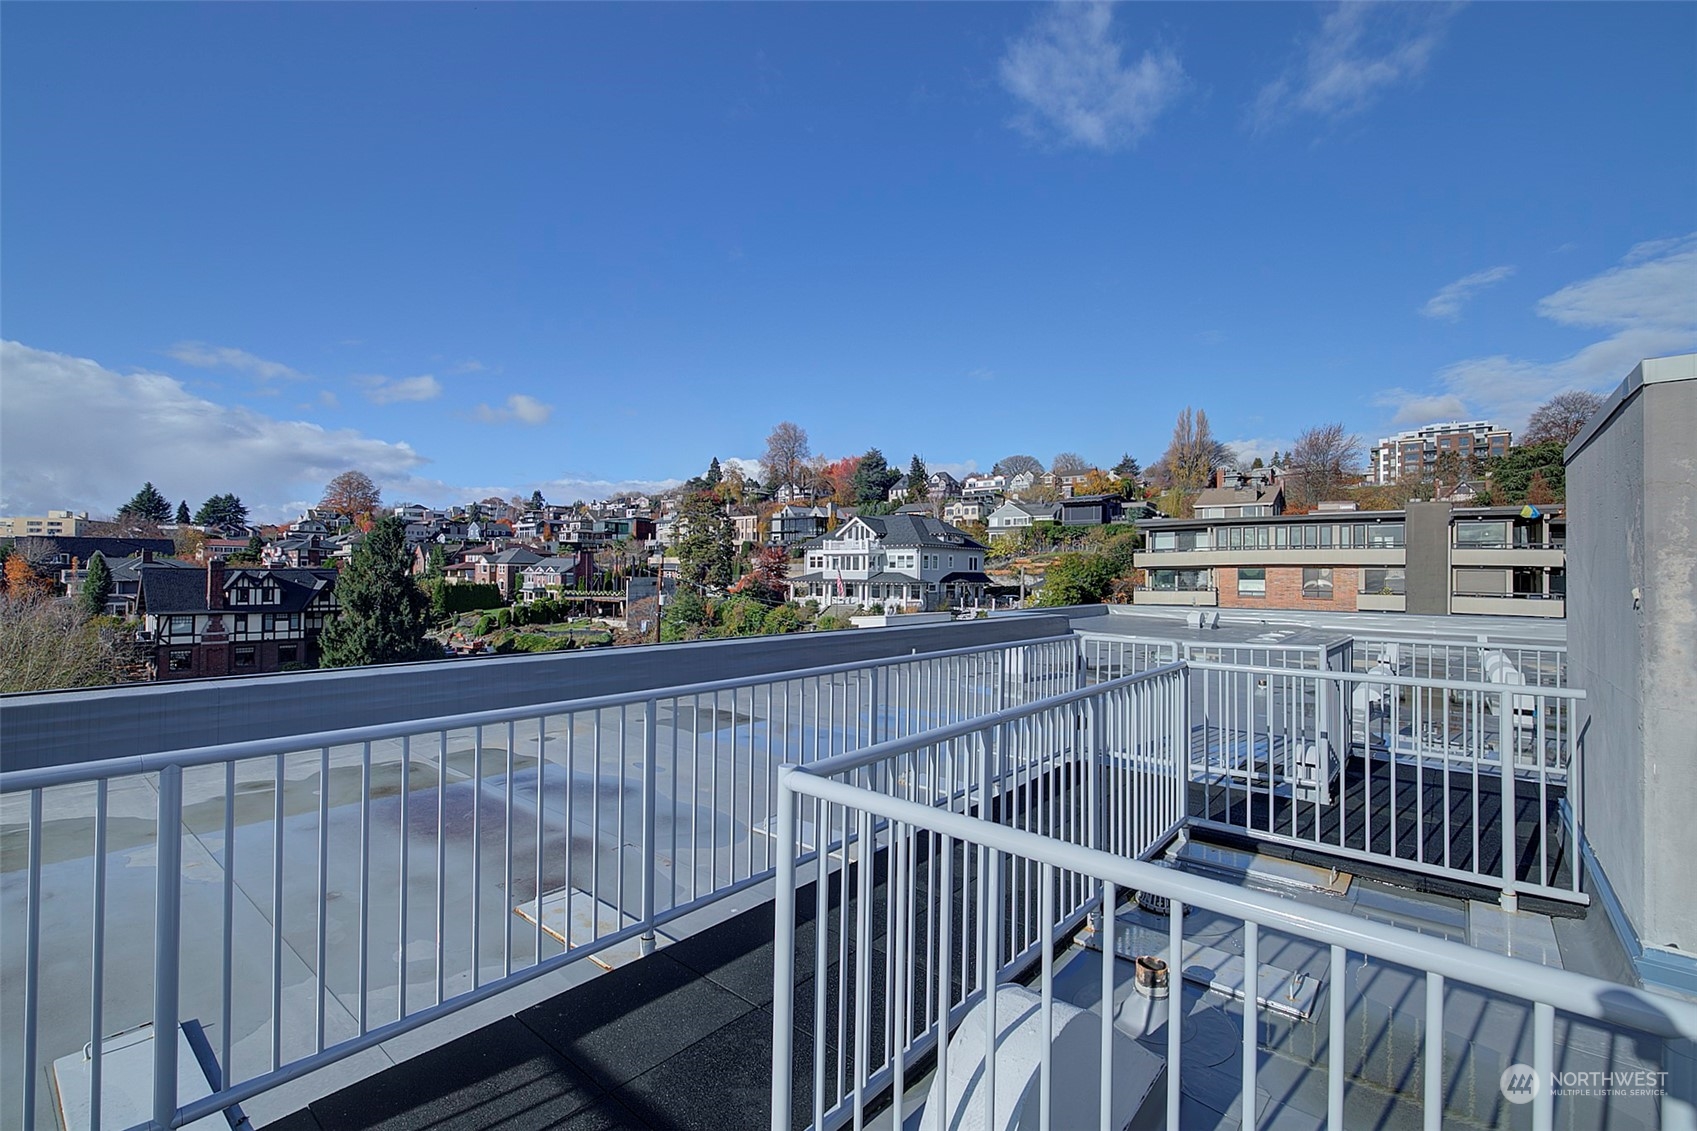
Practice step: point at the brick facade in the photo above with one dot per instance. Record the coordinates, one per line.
(1284, 590)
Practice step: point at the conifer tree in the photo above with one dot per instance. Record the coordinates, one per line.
(96, 586)
(183, 518)
(148, 505)
(384, 613)
(918, 481)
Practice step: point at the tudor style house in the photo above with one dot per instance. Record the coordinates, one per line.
(220, 621)
(899, 561)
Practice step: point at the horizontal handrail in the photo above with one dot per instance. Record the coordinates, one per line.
(1427, 682)
(1565, 990)
(855, 759)
(15, 781)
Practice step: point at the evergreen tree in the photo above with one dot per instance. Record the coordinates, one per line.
(704, 552)
(221, 510)
(148, 505)
(715, 473)
(437, 564)
(536, 500)
(96, 586)
(873, 478)
(918, 485)
(183, 518)
(384, 613)
(1127, 468)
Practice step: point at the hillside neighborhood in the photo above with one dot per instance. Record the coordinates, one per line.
(1453, 517)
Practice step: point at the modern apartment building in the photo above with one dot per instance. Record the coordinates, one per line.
(1432, 558)
(53, 524)
(1415, 454)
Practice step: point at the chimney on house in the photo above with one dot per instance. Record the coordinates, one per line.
(215, 584)
(147, 557)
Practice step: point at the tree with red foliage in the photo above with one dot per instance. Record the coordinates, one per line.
(767, 577)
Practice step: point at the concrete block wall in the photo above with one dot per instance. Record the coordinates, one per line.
(1632, 635)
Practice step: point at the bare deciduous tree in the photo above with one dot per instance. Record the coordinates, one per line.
(1324, 459)
(1194, 453)
(47, 644)
(1011, 466)
(785, 462)
(1561, 417)
(1069, 463)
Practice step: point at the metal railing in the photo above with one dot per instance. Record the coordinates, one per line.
(1542, 665)
(310, 896)
(934, 951)
(1100, 767)
(1479, 782)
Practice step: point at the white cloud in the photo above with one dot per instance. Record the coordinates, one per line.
(1360, 51)
(1649, 302)
(1262, 447)
(392, 390)
(203, 356)
(470, 365)
(519, 409)
(148, 427)
(1448, 301)
(328, 399)
(1066, 69)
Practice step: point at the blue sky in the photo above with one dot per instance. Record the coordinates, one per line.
(494, 248)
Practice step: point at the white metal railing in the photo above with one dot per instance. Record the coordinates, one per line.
(942, 948)
(1542, 665)
(1479, 782)
(314, 895)
(1101, 767)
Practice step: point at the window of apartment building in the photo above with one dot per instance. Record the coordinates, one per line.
(1384, 582)
(1179, 580)
(182, 626)
(288, 653)
(1317, 583)
(1481, 534)
(1252, 582)
(246, 656)
(1179, 540)
(179, 659)
(1385, 534)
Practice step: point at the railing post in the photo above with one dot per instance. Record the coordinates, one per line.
(1505, 758)
(783, 953)
(167, 936)
(650, 743)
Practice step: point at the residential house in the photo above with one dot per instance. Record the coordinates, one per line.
(223, 621)
(897, 561)
(552, 575)
(503, 569)
(938, 485)
(793, 525)
(1090, 510)
(983, 486)
(747, 523)
(220, 549)
(1021, 483)
(975, 509)
(1016, 515)
(64, 553)
(1432, 558)
(1238, 494)
(297, 551)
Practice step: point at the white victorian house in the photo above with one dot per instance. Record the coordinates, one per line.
(905, 561)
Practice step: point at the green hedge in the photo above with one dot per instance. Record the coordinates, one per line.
(450, 600)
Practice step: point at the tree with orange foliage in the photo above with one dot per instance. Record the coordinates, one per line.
(21, 579)
(839, 474)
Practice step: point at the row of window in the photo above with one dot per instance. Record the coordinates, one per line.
(244, 657)
(183, 625)
(895, 559)
(1283, 536)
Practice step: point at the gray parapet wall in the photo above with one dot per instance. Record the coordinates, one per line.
(56, 728)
